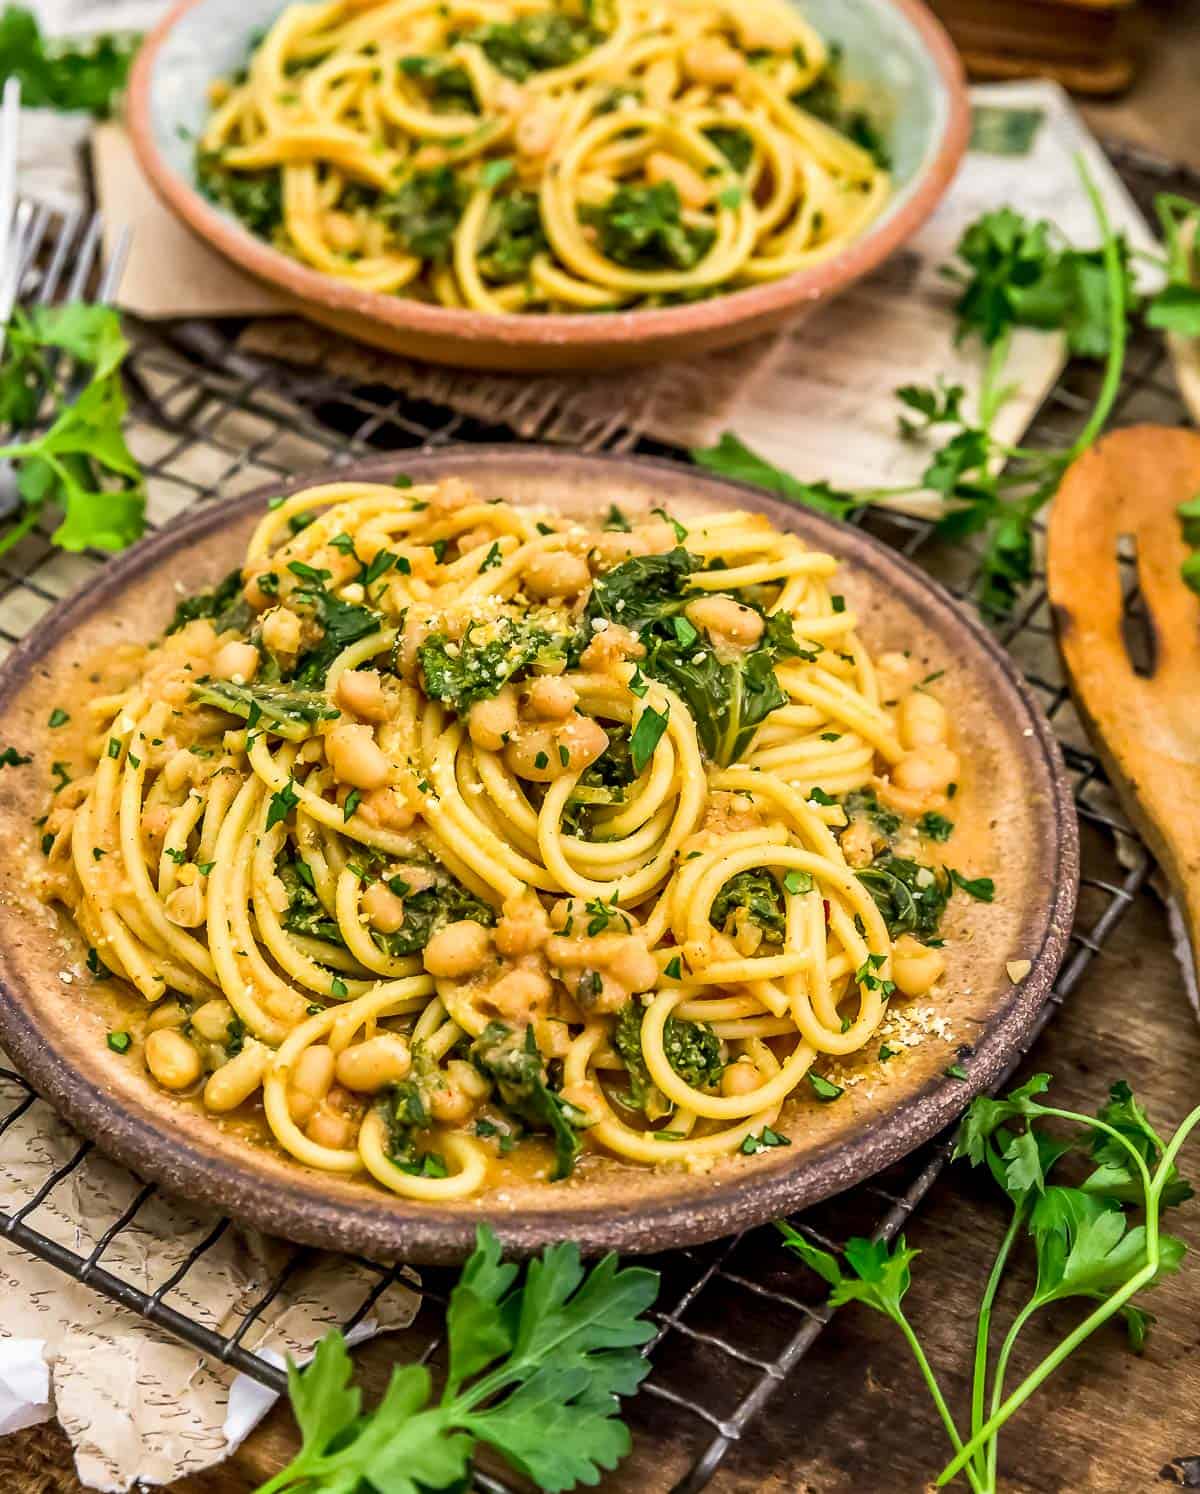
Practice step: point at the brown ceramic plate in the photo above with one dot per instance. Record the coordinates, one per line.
(1016, 823)
(895, 52)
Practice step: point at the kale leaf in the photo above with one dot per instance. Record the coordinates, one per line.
(694, 1051)
(643, 229)
(642, 590)
(512, 236)
(406, 1114)
(342, 623)
(911, 897)
(535, 42)
(253, 197)
(864, 803)
(459, 674)
(305, 913)
(601, 783)
(447, 84)
(644, 1094)
(824, 97)
(757, 891)
(429, 910)
(729, 699)
(281, 709)
(734, 144)
(225, 605)
(515, 1065)
(423, 212)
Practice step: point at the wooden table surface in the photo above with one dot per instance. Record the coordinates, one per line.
(855, 1417)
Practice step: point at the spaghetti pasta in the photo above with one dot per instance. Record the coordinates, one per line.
(507, 156)
(452, 827)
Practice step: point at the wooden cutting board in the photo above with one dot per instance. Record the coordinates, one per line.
(1089, 46)
(1130, 634)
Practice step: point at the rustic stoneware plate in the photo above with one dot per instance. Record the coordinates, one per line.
(896, 53)
(1016, 823)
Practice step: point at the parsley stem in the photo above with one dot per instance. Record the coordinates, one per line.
(20, 529)
(1118, 320)
(1096, 1124)
(1049, 1364)
(935, 1390)
(991, 1449)
(984, 1325)
(991, 393)
(1107, 1309)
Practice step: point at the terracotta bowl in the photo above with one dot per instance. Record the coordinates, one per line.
(1015, 820)
(895, 50)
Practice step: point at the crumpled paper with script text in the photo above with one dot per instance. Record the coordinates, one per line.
(135, 1402)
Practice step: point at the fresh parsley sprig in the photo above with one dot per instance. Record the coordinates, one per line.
(88, 76)
(81, 463)
(1011, 273)
(536, 1369)
(1099, 1240)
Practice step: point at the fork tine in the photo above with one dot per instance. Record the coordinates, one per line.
(30, 247)
(58, 260)
(10, 115)
(20, 231)
(115, 268)
(87, 258)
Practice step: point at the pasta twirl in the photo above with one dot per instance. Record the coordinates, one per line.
(509, 157)
(448, 829)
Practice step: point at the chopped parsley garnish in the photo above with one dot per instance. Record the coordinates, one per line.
(763, 1141)
(824, 1089)
(646, 736)
(380, 565)
(982, 889)
(935, 826)
(281, 804)
(120, 1042)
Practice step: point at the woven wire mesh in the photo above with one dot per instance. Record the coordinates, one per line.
(737, 1316)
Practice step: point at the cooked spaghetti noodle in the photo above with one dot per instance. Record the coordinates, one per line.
(454, 826)
(508, 157)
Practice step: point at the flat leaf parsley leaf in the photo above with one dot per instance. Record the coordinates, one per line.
(536, 1367)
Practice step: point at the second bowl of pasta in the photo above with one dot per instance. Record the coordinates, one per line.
(521, 184)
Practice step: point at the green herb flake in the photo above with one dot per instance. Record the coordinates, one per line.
(647, 734)
(982, 889)
(281, 804)
(763, 1141)
(824, 1089)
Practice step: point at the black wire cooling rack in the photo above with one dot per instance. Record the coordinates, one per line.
(735, 1318)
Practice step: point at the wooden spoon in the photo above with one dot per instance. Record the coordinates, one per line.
(1135, 670)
